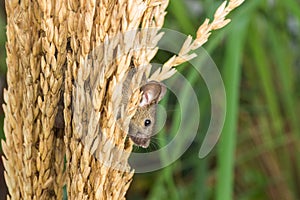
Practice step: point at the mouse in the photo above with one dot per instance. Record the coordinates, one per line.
(141, 126)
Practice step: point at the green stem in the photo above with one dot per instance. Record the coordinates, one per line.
(227, 143)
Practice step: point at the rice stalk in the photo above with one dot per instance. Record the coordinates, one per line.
(96, 151)
(36, 52)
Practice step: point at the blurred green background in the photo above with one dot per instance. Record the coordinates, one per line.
(258, 54)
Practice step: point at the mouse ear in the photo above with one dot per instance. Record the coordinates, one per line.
(153, 92)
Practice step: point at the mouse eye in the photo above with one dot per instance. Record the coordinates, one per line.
(147, 122)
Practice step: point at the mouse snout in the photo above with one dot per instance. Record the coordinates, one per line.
(140, 141)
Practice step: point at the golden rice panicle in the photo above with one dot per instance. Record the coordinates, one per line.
(13, 147)
(36, 52)
(203, 33)
(107, 24)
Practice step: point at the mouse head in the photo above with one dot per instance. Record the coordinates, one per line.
(142, 123)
